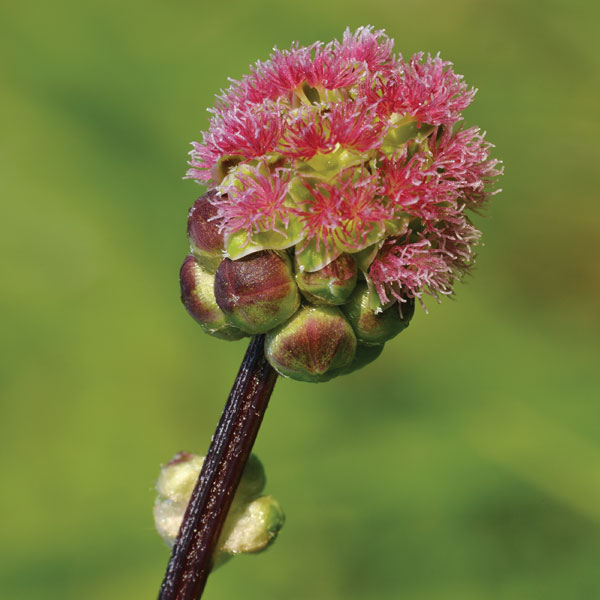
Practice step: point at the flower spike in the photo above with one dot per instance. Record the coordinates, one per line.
(344, 149)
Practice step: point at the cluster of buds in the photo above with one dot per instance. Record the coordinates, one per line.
(339, 180)
(253, 521)
(319, 324)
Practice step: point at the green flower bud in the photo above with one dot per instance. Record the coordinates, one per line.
(198, 297)
(252, 523)
(206, 243)
(314, 345)
(257, 292)
(332, 284)
(376, 326)
(365, 354)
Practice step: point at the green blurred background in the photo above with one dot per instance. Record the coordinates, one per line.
(464, 464)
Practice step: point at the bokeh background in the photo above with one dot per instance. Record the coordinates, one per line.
(464, 464)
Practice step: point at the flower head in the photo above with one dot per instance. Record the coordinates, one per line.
(346, 148)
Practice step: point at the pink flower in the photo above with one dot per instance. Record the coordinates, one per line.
(346, 148)
(255, 204)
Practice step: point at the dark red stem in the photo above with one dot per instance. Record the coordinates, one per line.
(191, 558)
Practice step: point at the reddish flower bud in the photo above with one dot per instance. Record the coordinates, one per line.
(198, 297)
(332, 284)
(372, 326)
(257, 292)
(206, 243)
(316, 344)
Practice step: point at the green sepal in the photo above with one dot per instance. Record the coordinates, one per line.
(325, 166)
(397, 226)
(374, 301)
(354, 242)
(274, 240)
(225, 165)
(392, 228)
(309, 258)
(232, 177)
(240, 244)
(298, 193)
(366, 256)
(403, 130)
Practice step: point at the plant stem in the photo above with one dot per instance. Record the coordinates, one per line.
(192, 555)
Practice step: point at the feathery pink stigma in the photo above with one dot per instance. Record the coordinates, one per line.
(355, 125)
(343, 214)
(348, 146)
(461, 158)
(430, 91)
(373, 48)
(306, 132)
(254, 204)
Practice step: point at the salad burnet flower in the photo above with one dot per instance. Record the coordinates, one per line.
(341, 178)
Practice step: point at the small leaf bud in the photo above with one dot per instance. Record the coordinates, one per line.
(198, 297)
(257, 292)
(376, 326)
(332, 284)
(178, 477)
(314, 345)
(252, 527)
(252, 523)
